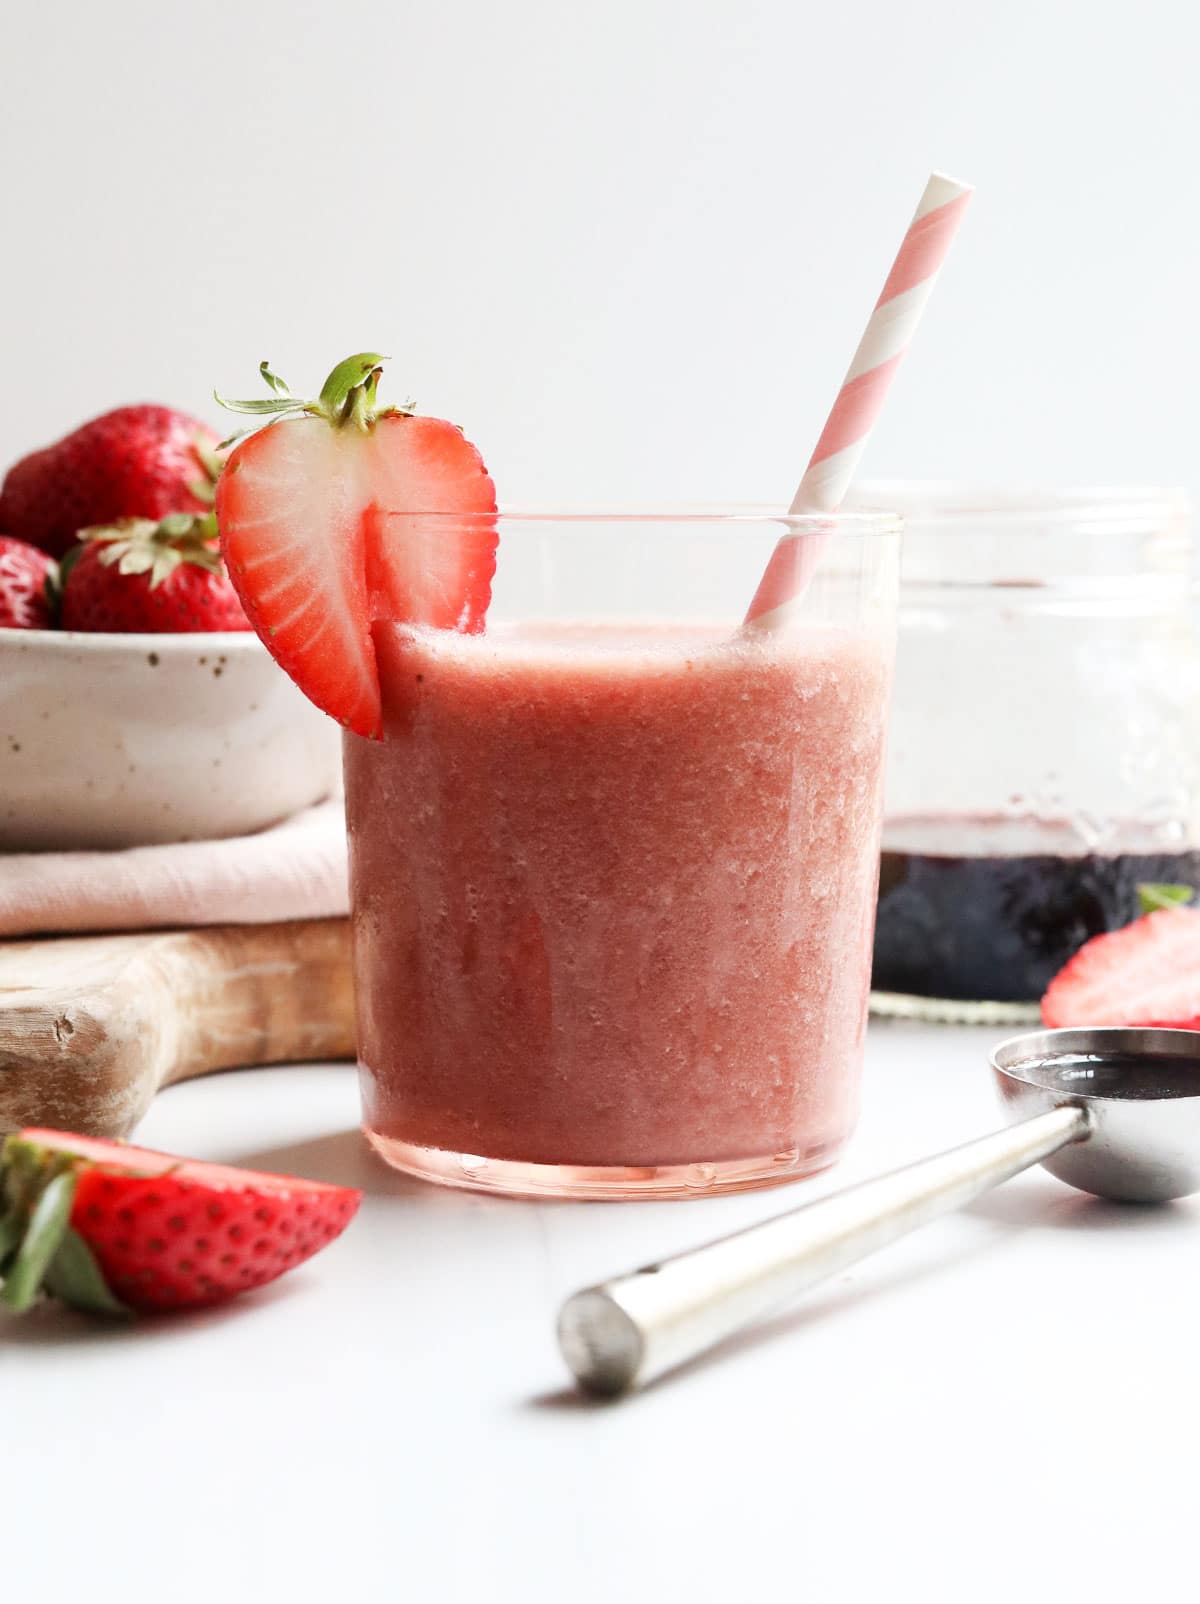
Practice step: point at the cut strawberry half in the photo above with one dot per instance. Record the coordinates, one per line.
(1145, 974)
(113, 1229)
(322, 531)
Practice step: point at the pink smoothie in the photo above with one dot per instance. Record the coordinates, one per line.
(613, 894)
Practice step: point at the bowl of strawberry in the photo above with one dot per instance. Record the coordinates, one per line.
(136, 704)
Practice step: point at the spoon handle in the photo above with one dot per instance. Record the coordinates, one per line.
(624, 1332)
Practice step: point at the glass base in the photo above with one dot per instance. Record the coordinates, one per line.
(952, 1011)
(612, 1183)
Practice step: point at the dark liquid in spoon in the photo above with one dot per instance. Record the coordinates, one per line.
(1130, 1076)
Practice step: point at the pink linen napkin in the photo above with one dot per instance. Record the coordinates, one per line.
(296, 870)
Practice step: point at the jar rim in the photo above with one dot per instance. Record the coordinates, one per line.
(949, 504)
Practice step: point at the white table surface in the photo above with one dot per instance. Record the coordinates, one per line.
(1004, 1406)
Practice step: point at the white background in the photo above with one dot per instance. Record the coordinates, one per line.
(629, 246)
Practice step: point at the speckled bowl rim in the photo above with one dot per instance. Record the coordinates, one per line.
(242, 641)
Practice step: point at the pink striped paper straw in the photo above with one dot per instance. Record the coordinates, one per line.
(864, 389)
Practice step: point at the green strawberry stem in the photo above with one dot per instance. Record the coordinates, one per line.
(1155, 897)
(205, 489)
(38, 1248)
(52, 590)
(43, 1232)
(74, 1277)
(347, 398)
(10, 1235)
(348, 394)
(141, 546)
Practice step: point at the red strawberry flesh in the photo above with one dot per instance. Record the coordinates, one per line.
(122, 1158)
(170, 1233)
(24, 572)
(432, 570)
(292, 533)
(322, 534)
(1145, 974)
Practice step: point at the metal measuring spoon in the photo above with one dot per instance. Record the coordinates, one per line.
(1115, 1112)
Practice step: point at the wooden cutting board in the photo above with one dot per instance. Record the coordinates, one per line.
(92, 1026)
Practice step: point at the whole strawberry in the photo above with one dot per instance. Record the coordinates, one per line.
(25, 577)
(115, 1229)
(137, 577)
(137, 462)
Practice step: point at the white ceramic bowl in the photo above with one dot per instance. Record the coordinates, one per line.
(126, 740)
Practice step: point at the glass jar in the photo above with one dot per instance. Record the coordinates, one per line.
(1045, 736)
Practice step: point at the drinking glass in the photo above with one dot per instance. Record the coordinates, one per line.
(614, 861)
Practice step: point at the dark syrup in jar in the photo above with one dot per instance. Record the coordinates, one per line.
(990, 909)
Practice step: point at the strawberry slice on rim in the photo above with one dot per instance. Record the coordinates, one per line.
(327, 524)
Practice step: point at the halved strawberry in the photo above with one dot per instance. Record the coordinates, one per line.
(321, 533)
(1145, 974)
(112, 1228)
